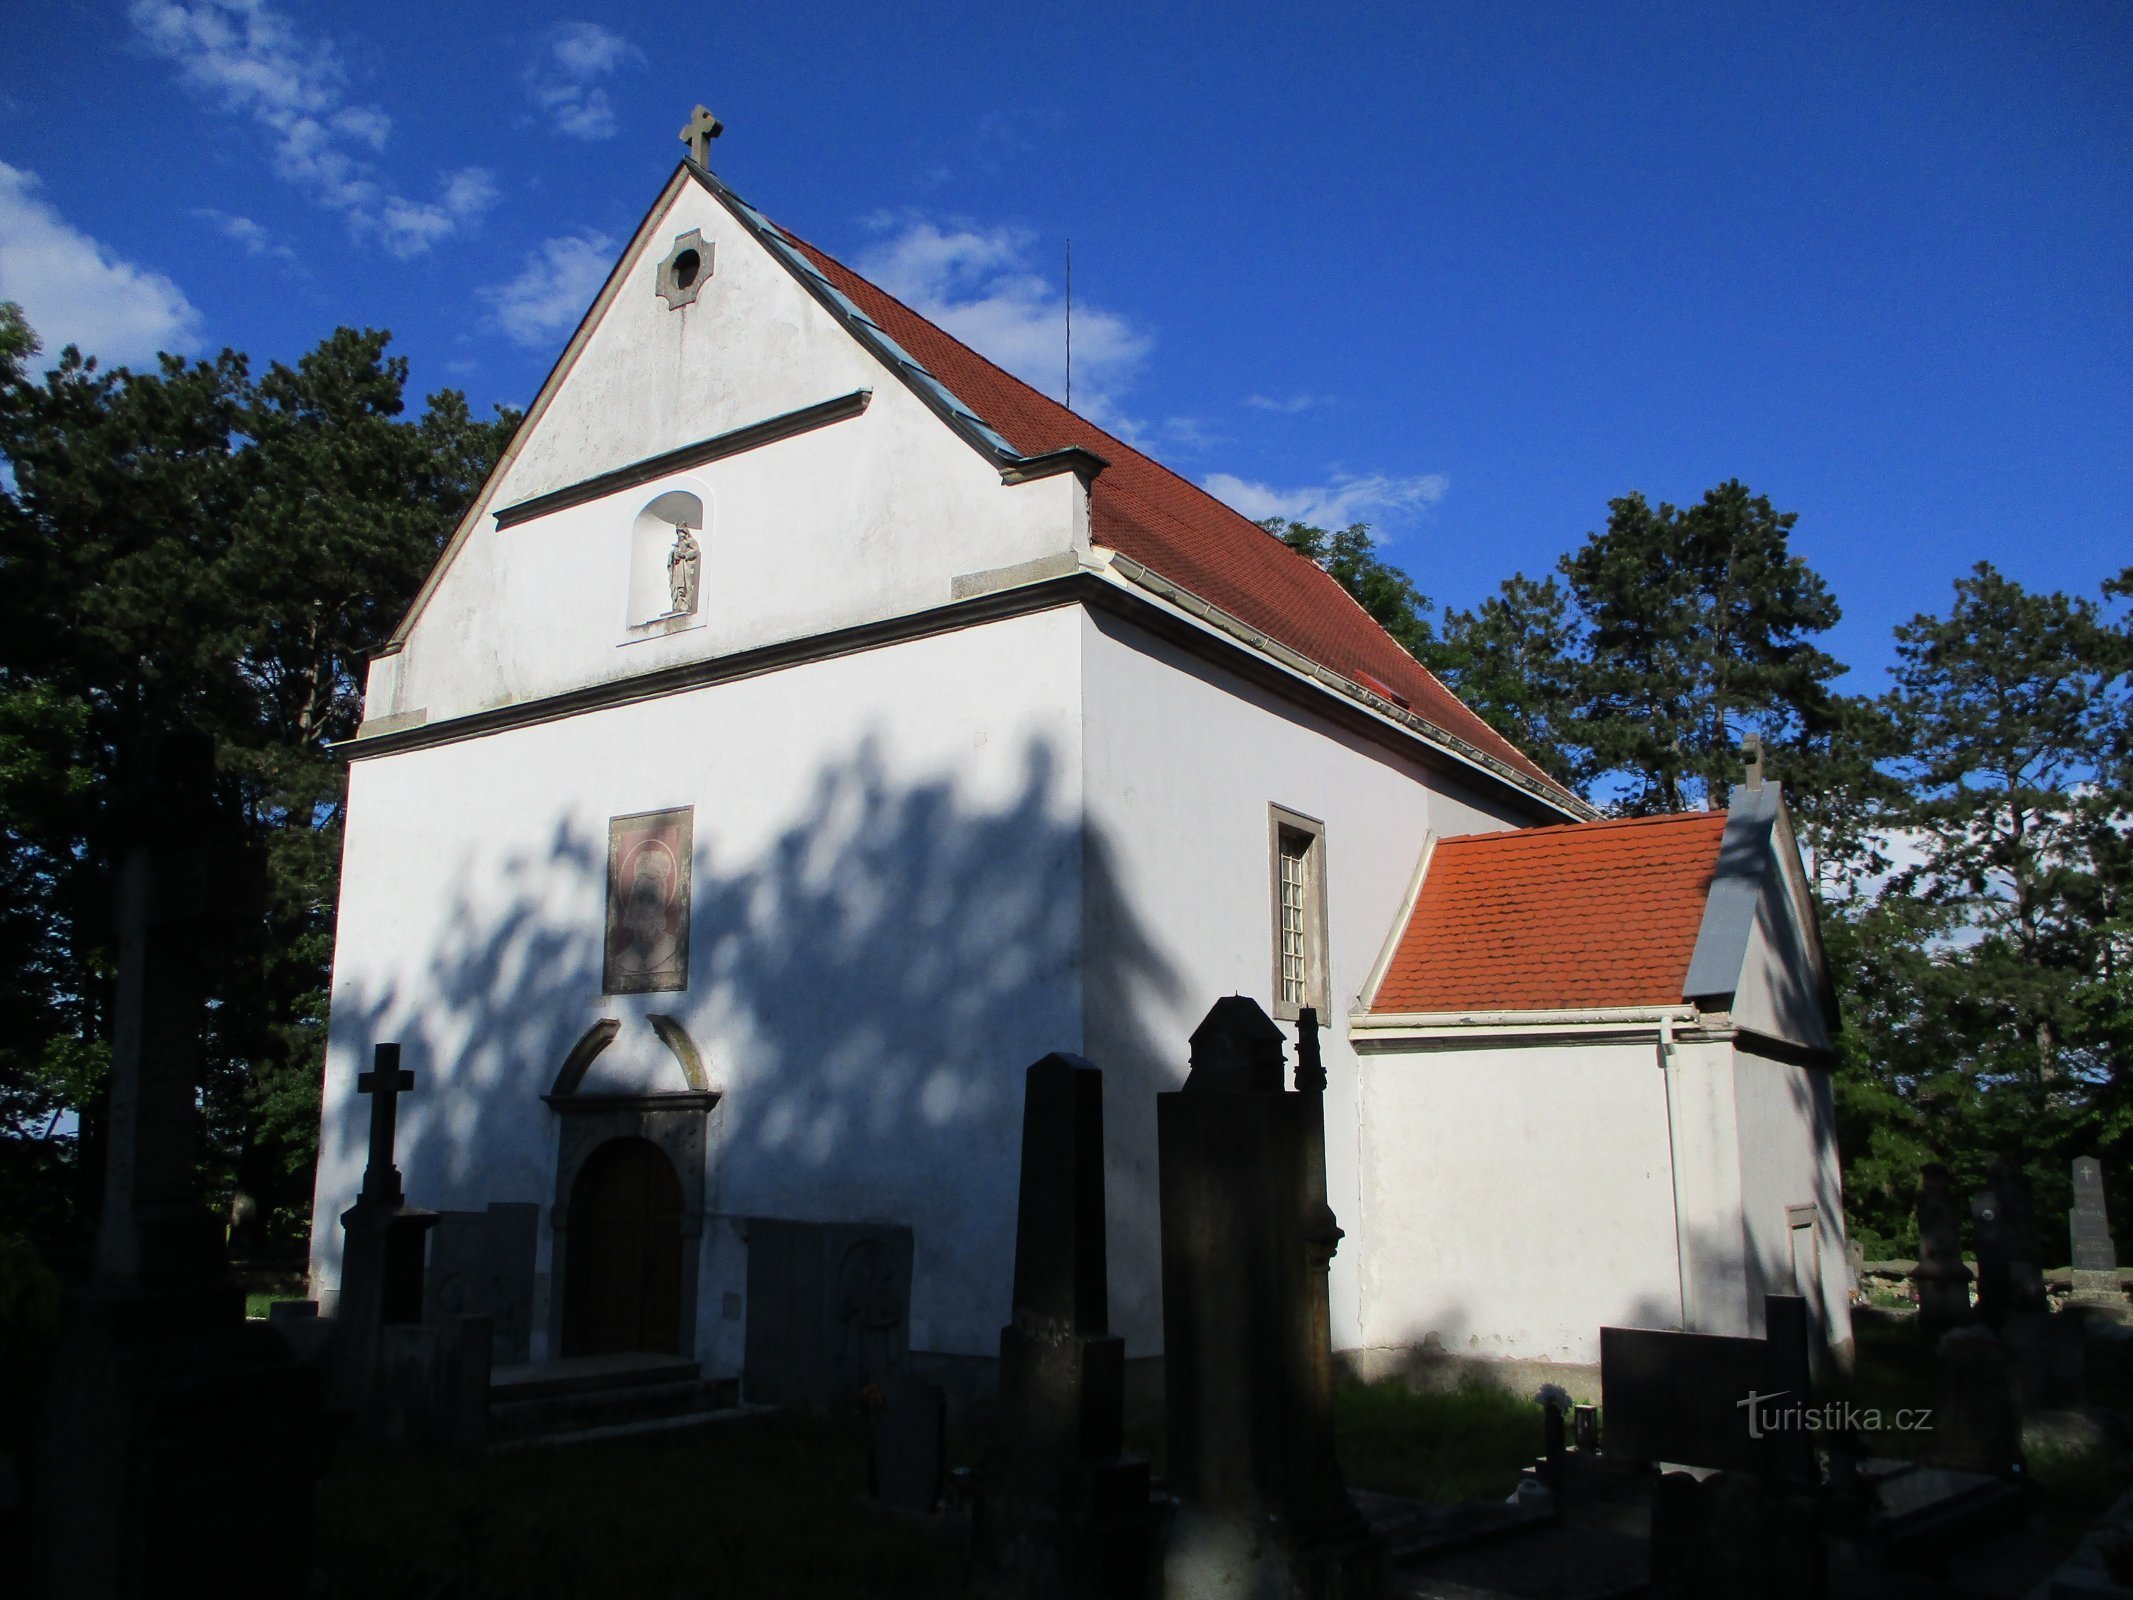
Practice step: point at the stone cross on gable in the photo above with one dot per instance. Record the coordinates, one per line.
(701, 130)
(384, 1083)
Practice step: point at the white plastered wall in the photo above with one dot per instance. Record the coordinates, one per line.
(1181, 763)
(1519, 1198)
(861, 519)
(886, 924)
(1787, 1130)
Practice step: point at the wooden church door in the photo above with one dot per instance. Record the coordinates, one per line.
(624, 1261)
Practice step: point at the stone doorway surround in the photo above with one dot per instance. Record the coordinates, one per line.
(677, 1123)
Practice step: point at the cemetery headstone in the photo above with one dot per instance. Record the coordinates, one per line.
(382, 1263)
(1065, 1511)
(1940, 1281)
(1737, 1535)
(1248, 1239)
(482, 1264)
(168, 1416)
(828, 1311)
(908, 1461)
(1978, 1425)
(1988, 1232)
(2018, 1226)
(1712, 1400)
(2095, 1254)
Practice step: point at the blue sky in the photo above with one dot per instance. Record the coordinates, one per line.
(1464, 272)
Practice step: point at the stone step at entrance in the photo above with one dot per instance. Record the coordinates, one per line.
(586, 1397)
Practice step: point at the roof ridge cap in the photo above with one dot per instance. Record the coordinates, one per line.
(1591, 824)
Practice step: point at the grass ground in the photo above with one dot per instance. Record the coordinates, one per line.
(773, 1507)
(762, 1508)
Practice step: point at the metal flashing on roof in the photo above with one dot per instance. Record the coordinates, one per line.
(987, 440)
(1729, 913)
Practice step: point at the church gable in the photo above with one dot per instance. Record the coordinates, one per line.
(719, 462)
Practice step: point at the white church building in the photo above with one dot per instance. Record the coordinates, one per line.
(810, 725)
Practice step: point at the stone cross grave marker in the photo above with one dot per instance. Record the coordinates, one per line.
(384, 1083)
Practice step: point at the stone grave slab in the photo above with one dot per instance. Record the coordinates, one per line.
(829, 1310)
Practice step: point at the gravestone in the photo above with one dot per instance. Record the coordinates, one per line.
(2095, 1255)
(432, 1385)
(177, 1438)
(907, 1466)
(1736, 1535)
(1065, 1512)
(482, 1264)
(2018, 1231)
(1977, 1426)
(382, 1262)
(1713, 1400)
(1247, 1242)
(1940, 1281)
(829, 1311)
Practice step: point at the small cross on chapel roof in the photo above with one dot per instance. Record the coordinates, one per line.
(701, 130)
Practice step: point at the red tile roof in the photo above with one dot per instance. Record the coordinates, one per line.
(1547, 919)
(1145, 511)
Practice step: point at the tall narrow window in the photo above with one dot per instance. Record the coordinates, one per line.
(1299, 874)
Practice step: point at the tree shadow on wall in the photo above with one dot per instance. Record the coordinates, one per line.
(866, 988)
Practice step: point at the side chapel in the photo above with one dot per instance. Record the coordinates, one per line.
(811, 724)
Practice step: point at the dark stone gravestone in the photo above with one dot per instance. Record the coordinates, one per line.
(1978, 1424)
(1736, 1535)
(432, 1385)
(1940, 1280)
(1065, 1511)
(2018, 1231)
(384, 1245)
(908, 1461)
(178, 1439)
(1247, 1241)
(829, 1311)
(1712, 1400)
(2095, 1255)
(482, 1264)
(1988, 1232)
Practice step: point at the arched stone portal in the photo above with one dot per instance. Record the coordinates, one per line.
(624, 1286)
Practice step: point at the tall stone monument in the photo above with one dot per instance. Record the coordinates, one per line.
(1940, 1280)
(2095, 1256)
(168, 1414)
(1248, 1364)
(1065, 1510)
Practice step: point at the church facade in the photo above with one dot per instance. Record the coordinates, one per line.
(809, 726)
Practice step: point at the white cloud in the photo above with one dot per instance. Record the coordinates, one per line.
(255, 238)
(1347, 498)
(253, 62)
(76, 290)
(1286, 407)
(979, 285)
(553, 290)
(563, 79)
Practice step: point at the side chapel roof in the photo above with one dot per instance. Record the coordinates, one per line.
(1639, 912)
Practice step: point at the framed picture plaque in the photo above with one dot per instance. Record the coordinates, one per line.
(648, 857)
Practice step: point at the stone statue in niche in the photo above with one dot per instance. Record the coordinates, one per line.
(684, 567)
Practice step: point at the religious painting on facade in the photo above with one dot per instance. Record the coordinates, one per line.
(648, 901)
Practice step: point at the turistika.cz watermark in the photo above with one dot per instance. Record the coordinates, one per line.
(1766, 1416)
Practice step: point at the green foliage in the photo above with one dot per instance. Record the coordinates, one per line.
(193, 555)
(1465, 1443)
(1379, 587)
(1517, 659)
(1985, 986)
(1699, 623)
